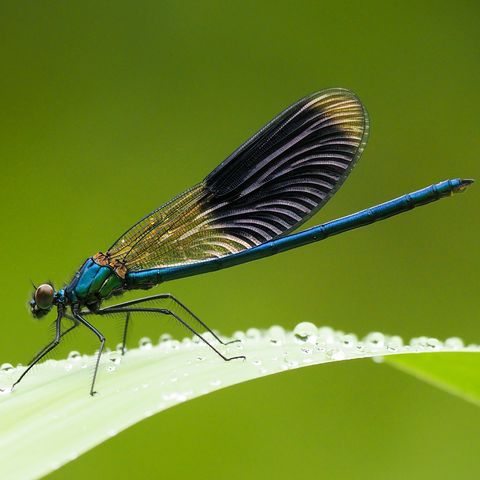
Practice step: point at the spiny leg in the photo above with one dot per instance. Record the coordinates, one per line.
(157, 301)
(186, 309)
(100, 350)
(125, 329)
(164, 311)
(47, 349)
(75, 325)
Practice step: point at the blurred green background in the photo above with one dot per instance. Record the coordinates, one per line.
(108, 109)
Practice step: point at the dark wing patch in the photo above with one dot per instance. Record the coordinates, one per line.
(266, 188)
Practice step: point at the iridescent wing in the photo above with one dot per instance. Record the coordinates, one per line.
(266, 188)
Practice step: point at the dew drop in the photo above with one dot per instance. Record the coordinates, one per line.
(348, 341)
(256, 362)
(276, 335)
(454, 343)
(7, 368)
(5, 390)
(434, 344)
(216, 383)
(200, 359)
(239, 335)
(306, 350)
(74, 356)
(326, 335)
(115, 357)
(306, 332)
(419, 342)
(375, 341)
(165, 337)
(145, 343)
(395, 343)
(254, 334)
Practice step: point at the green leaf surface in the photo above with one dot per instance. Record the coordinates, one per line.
(457, 373)
(51, 415)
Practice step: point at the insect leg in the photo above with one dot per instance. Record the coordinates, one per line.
(164, 311)
(101, 338)
(75, 325)
(154, 300)
(125, 329)
(189, 312)
(48, 348)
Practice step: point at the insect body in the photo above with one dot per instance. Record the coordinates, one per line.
(244, 210)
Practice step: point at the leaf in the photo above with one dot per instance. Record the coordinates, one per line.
(51, 416)
(457, 373)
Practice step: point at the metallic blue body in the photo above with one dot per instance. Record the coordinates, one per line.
(93, 283)
(147, 278)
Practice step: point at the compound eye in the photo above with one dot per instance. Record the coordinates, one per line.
(44, 296)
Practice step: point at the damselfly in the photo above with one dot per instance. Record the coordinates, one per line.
(244, 210)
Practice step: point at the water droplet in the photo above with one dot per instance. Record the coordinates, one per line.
(7, 368)
(5, 390)
(375, 341)
(74, 356)
(254, 334)
(326, 335)
(419, 342)
(276, 335)
(394, 343)
(306, 332)
(174, 344)
(256, 362)
(216, 383)
(200, 359)
(306, 350)
(145, 343)
(165, 337)
(239, 335)
(348, 341)
(68, 366)
(378, 359)
(434, 344)
(454, 343)
(115, 357)
(110, 368)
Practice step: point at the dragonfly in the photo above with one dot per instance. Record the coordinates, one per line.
(244, 210)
